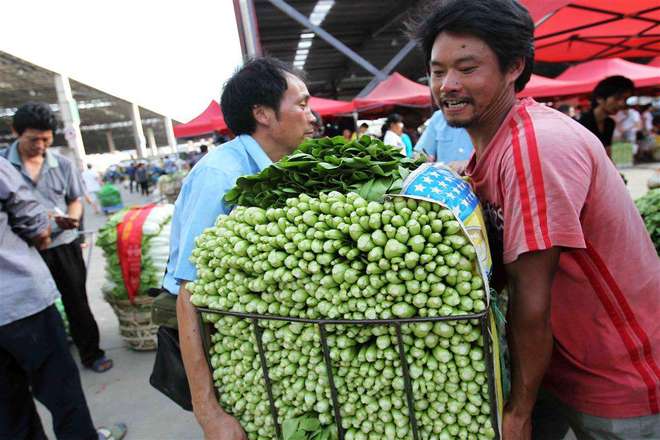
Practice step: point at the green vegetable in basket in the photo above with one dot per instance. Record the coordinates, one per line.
(339, 256)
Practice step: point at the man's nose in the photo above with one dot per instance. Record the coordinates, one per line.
(450, 82)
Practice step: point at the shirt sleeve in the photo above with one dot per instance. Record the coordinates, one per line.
(202, 204)
(75, 185)
(544, 190)
(426, 142)
(27, 218)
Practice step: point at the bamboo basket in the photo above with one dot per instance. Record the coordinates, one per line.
(135, 325)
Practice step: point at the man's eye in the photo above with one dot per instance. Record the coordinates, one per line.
(469, 69)
(438, 73)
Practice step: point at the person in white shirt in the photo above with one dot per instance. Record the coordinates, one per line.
(92, 183)
(392, 131)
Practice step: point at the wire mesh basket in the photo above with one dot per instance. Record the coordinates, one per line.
(485, 320)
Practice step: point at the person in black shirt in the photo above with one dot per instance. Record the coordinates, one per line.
(607, 99)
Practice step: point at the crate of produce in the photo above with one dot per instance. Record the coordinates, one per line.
(622, 154)
(135, 245)
(332, 315)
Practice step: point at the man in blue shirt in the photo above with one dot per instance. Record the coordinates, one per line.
(266, 105)
(443, 143)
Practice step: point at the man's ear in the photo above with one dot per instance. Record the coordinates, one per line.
(516, 69)
(263, 115)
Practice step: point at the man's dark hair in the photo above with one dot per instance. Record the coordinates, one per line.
(203, 148)
(364, 125)
(261, 81)
(504, 25)
(611, 86)
(35, 115)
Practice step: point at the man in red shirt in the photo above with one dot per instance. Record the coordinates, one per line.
(582, 274)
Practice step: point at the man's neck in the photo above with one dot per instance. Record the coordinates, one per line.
(485, 128)
(33, 160)
(273, 150)
(599, 114)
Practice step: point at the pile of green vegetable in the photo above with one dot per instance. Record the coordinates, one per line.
(364, 165)
(340, 256)
(649, 207)
(155, 251)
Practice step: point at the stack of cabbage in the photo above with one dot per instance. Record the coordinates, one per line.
(339, 256)
(155, 251)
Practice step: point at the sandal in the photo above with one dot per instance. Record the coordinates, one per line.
(115, 432)
(101, 365)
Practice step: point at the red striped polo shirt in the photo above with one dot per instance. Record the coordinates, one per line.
(544, 181)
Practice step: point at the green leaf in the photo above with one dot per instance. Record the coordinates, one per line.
(289, 428)
(310, 424)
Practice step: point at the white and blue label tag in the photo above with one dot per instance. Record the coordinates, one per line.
(441, 184)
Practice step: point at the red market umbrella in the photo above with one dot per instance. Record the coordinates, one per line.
(579, 30)
(330, 107)
(395, 90)
(540, 86)
(211, 120)
(591, 72)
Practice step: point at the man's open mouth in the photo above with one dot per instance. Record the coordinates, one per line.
(455, 104)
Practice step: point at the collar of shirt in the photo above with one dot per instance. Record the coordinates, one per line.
(15, 158)
(255, 151)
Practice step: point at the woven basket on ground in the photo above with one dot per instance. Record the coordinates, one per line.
(135, 326)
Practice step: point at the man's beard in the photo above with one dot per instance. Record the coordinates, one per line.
(461, 124)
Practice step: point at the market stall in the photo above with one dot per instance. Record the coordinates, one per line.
(208, 122)
(396, 90)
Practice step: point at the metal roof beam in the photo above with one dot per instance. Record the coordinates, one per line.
(405, 50)
(341, 47)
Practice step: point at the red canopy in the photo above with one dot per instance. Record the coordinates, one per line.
(211, 120)
(395, 90)
(330, 107)
(655, 62)
(540, 86)
(577, 30)
(591, 72)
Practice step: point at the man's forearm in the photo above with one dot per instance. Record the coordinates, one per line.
(529, 331)
(74, 209)
(194, 358)
(530, 342)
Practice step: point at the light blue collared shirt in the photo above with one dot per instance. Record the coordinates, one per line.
(445, 143)
(58, 184)
(200, 201)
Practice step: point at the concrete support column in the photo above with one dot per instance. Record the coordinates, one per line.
(111, 141)
(138, 133)
(151, 141)
(169, 132)
(70, 118)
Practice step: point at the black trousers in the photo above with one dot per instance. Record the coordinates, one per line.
(67, 267)
(144, 188)
(35, 362)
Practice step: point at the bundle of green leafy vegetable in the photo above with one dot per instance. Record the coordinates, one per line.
(339, 256)
(155, 251)
(366, 166)
(649, 207)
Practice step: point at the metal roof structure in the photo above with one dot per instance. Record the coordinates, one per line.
(373, 30)
(100, 112)
(345, 47)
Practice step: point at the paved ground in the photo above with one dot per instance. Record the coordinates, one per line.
(124, 393)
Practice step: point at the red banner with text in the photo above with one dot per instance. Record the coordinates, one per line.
(129, 247)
